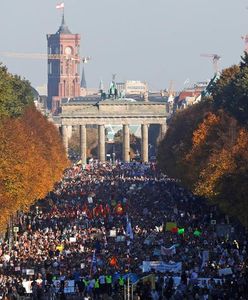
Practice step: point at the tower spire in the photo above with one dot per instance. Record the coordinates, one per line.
(63, 18)
(83, 80)
(63, 27)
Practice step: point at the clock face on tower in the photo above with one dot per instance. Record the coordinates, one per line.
(68, 51)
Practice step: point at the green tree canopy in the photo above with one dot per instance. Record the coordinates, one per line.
(230, 92)
(15, 94)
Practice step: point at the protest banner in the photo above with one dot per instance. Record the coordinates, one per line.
(161, 266)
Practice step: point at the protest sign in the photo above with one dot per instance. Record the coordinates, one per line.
(90, 200)
(225, 271)
(69, 287)
(156, 252)
(30, 271)
(120, 238)
(112, 233)
(73, 239)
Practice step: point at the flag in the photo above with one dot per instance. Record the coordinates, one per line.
(113, 262)
(60, 248)
(94, 263)
(60, 5)
(180, 230)
(168, 251)
(170, 225)
(174, 230)
(129, 230)
(205, 258)
(119, 209)
(197, 233)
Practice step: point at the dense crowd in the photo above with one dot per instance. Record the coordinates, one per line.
(102, 222)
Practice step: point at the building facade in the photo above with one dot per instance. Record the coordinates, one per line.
(132, 87)
(63, 66)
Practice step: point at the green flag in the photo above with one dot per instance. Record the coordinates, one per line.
(181, 231)
(197, 233)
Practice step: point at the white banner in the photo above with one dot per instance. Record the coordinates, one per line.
(201, 282)
(161, 266)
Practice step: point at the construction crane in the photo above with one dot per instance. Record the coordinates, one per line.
(215, 59)
(83, 59)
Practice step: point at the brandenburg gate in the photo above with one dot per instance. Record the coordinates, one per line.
(112, 112)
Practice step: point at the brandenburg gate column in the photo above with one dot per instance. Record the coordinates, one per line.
(144, 143)
(69, 131)
(101, 143)
(65, 137)
(83, 143)
(126, 144)
(162, 132)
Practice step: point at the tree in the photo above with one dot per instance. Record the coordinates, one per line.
(231, 91)
(32, 153)
(32, 160)
(177, 143)
(15, 94)
(206, 145)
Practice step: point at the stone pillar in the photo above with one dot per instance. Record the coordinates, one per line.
(65, 137)
(162, 131)
(101, 143)
(83, 143)
(144, 143)
(146, 97)
(126, 144)
(69, 131)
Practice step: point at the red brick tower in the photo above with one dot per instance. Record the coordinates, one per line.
(63, 66)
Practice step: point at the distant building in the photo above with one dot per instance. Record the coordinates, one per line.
(63, 66)
(136, 87)
(132, 87)
(190, 96)
(85, 92)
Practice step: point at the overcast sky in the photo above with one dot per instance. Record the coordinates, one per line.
(152, 40)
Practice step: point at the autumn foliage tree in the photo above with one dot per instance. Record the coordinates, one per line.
(32, 154)
(206, 145)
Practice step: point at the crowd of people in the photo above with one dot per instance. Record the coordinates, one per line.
(105, 227)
